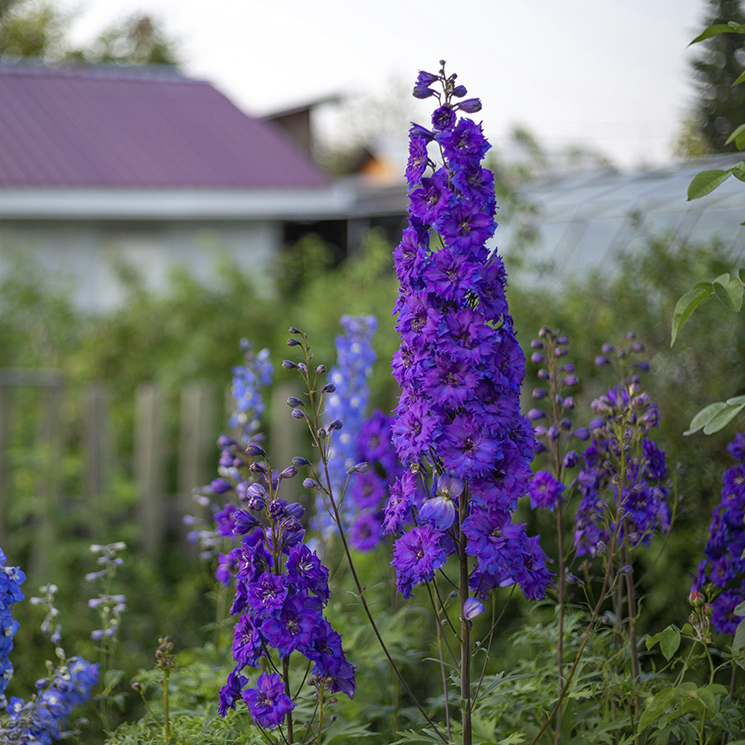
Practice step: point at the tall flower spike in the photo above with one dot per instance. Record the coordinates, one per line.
(11, 579)
(459, 366)
(346, 405)
(622, 460)
(248, 380)
(723, 565)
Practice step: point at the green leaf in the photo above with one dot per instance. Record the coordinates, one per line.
(740, 79)
(669, 641)
(707, 696)
(723, 417)
(729, 291)
(704, 417)
(687, 304)
(719, 28)
(650, 641)
(740, 130)
(739, 610)
(705, 182)
(739, 642)
(741, 274)
(738, 170)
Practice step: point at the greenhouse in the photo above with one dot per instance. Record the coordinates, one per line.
(584, 221)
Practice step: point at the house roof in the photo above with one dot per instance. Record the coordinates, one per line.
(136, 127)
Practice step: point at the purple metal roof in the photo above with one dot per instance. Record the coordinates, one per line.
(139, 128)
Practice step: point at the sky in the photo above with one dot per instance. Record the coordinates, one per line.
(607, 75)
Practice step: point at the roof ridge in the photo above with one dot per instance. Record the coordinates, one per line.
(97, 70)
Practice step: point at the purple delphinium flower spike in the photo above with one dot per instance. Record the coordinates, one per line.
(11, 579)
(355, 357)
(248, 380)
(621, 465)
(459, 366)
(723, 565)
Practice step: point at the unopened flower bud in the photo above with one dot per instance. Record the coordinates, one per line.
(571, 459)
(539, 393)
(293, 342)
(336, 424)
(293, 401)
(321, 433)
(321, 369)
(470, 105)
(696, 599)
(289, 364)
(359, 468)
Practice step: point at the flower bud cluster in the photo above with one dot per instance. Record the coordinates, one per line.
(623, 476)
(723, 567)
(459, 366)
(108, 606)
(553, 426)
(249, 382)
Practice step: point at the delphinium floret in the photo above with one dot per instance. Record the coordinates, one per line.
(721, 573)
(459, 366)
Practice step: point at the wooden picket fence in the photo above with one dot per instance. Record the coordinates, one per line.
(160, 503)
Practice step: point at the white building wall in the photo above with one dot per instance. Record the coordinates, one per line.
(87, 256)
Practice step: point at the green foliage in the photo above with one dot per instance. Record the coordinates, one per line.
(718, 107)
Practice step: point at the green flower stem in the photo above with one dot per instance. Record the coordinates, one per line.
(323, 449)
(286, 678)
(465, 633)
(582, 646)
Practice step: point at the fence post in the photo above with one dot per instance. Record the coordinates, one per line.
(149, 467)
(6, 404)
(49, 514)
(96, 457)
(197, 450)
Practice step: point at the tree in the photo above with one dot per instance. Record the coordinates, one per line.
(137, 40)
(31, 28)
(718, 107)
(38, 28)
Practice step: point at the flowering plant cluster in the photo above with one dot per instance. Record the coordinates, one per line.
(624, 461)
(281, 586)
(723, 565)
(43, 718)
